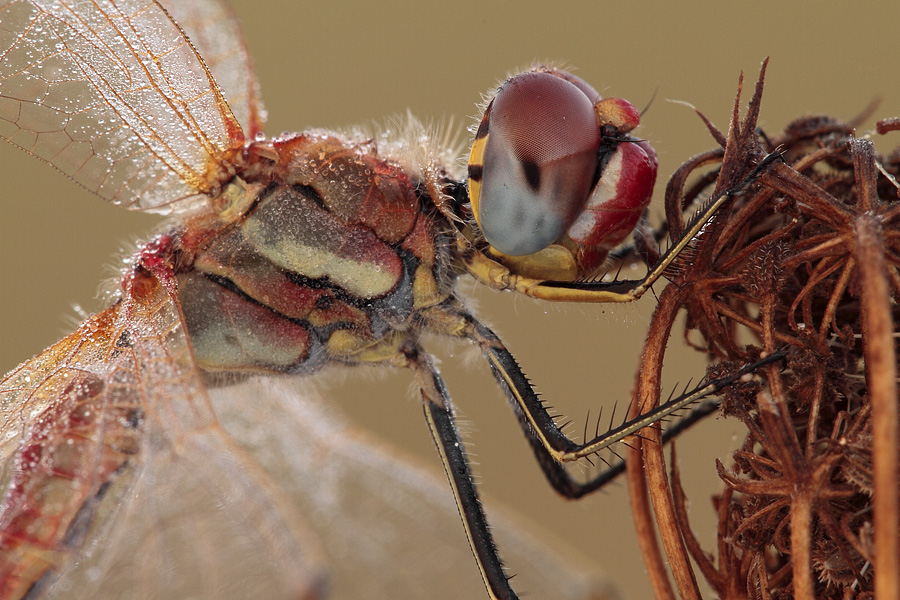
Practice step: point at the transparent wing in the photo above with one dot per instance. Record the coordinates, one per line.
(121, 482)
(216, 34)
(112, 94)
(390, 529)
(118, 476)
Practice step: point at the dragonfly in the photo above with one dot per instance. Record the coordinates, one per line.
(283, 255)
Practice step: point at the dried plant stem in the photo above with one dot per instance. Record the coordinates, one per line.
(643, 524)
(806, 259)
(878, 350)
(881, 372)
(801, 553)
(654, 470)
(774, 413)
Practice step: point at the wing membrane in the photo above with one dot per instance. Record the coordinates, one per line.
(216, 34)
(114, 95)
(389, 528)
(162, 501)
(111, 453)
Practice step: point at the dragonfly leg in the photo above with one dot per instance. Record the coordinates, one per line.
(550, 445)
(441, 422)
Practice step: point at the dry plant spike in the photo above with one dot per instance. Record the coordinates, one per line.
(805, 256)
(648, 386)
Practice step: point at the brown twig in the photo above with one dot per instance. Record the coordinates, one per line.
(881, 373)
(806, 256)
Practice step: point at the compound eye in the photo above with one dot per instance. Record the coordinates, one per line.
(539, 161)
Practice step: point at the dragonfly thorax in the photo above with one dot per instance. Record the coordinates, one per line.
(335, 251)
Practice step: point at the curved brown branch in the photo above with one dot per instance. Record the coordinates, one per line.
(805, 257)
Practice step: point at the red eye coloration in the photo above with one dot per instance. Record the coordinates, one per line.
(554, 176)
(616, 203)
(539, 162)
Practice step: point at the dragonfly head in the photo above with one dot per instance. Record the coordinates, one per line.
(555, 180)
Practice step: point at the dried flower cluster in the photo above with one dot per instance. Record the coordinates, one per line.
(805, 257)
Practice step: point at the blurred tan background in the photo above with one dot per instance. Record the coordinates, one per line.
(336, 64)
